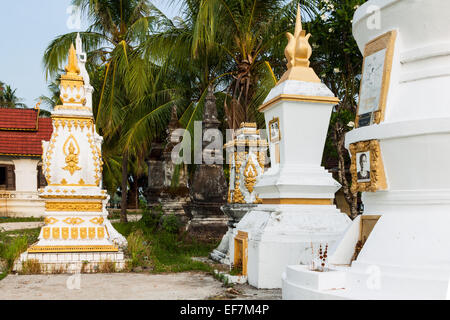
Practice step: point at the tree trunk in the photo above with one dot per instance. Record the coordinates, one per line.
(123, 206)
(350, 197)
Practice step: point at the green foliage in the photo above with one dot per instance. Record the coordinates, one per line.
(11, 248)
(171, 223)
(337, 60)
(13, 219)
(8, 97)
(170, 252)
(138, 249)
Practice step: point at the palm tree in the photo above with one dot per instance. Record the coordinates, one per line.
(251, 36)
(112, 41)
(10, 99)
(54, 99)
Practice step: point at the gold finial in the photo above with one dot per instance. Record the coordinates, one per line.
(297, 52)
(72, 68)
(298, 22)
(38, 104)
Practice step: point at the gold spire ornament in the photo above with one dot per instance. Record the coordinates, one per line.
(72, 69)
(72, 76)
(297, 52)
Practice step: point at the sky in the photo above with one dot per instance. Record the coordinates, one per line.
(26, 29)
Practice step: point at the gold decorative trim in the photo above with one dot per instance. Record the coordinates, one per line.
(65, 233)
(241, 251)
(377, 173)
(43, 249)
(248, 125)
(295, 97)
(73, 220)
(306, 201)
(46, 233)
(385, 41)
(250, 174)
(97, 220)
(83, 233)
(50, 220)
(100, 232)
(74, 233)
(71, 152)
(74, 206)
(72, 196)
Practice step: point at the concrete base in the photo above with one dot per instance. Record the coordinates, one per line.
(224, 253)
(299, 281)
(21, 204)
(88, 262)
(282, 235)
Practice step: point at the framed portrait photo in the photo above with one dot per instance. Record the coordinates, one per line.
(274, 130)
(363, 166)
(375, 80)
(367, 167)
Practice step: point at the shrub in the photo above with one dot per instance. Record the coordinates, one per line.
(107, 266)
(151, 218)
(11, 251)
(31, 266)
(138, 249)
(171, 223)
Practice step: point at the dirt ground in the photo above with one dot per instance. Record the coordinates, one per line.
(124, 286)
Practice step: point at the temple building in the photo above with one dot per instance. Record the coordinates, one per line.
(21, 135)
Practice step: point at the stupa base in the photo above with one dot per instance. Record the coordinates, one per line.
(282, 235)
(70, 262)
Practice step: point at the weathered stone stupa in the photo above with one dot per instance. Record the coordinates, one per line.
(208, 190)
(168, 184)
(77, 232)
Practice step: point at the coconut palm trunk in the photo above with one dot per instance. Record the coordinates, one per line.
(124, 188)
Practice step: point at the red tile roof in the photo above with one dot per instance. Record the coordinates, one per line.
(22, 132)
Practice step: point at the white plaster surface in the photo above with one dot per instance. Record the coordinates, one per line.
(406, 255)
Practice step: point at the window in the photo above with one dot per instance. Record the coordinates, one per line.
(3, 177)
(7, 177)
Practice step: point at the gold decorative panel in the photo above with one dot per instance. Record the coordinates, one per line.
(74, 206)
(74, 233)
(368, 154)
(83, 233)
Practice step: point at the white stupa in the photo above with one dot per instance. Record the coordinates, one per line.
(77, 231)
(297, 210)
(406, 107)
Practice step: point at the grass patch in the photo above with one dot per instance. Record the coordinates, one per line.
(107, 267)
(31, 266)
(115, 213)
(10, 219)
(153, 241)
(13, 243)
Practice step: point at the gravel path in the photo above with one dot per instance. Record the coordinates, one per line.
(10, 226)
(121, 286)
(124, 286)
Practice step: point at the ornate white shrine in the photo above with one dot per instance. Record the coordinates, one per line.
(297, 210)
(247, 158)
(404, 128)
(76, 229)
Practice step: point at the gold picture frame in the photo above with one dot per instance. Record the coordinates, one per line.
(377, 180)
(272, 135)
(385, 41)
